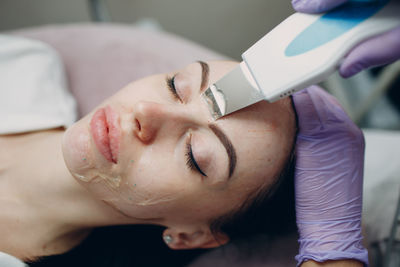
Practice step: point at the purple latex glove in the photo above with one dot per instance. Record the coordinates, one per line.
(376, 51)
(328, 179)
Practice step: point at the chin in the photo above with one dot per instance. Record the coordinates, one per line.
(76, 149)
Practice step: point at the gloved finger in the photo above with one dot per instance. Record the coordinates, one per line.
(377, 51)
(308, 117)
(317, 111)
(315, 6)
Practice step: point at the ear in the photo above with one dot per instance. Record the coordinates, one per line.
(179, 238)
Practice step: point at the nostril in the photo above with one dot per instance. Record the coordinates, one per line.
(138, 124)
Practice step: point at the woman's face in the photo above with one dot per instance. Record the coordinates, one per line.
(157, 155)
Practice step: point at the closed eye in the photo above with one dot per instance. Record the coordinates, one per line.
(190, 160)
(171, 87)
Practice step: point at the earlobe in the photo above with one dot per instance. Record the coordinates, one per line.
(193, 239)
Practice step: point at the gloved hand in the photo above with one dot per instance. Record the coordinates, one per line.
(376, 51)
(328, 179)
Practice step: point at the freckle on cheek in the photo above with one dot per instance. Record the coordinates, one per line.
(263, 131)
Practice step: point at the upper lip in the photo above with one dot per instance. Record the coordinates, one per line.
(106, 132)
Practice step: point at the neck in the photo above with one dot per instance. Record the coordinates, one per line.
(44, 209)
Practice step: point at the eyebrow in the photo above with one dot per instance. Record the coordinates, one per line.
(205, 72)
(230, 150)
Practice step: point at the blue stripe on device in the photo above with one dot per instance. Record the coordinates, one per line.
(332, 25)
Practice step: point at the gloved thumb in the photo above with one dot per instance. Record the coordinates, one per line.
(317, 111)
(315, 6)
(377, 51)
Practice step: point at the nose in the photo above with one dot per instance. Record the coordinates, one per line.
(154, 118)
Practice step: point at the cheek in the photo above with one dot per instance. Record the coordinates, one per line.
(145, 89)
(154, 181)
(211, 205)
(159, 175)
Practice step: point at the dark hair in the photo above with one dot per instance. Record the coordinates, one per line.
(271, 211)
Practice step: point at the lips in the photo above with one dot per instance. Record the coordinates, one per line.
(104, 127)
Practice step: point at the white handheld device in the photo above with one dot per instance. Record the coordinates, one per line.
(302, 50)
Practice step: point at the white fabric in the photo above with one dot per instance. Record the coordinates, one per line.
(7, 260)
(381, 182)
(33, 91)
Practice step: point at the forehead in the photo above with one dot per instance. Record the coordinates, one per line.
(262, 139)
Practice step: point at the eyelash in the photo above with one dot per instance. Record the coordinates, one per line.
(190, 161)
(171, 87)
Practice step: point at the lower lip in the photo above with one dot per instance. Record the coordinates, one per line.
(105, 131)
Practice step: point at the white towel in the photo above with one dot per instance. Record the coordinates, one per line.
(33, 90)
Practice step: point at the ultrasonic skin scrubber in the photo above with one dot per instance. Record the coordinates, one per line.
(304, 49)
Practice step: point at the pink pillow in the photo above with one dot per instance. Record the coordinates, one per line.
(102, 58)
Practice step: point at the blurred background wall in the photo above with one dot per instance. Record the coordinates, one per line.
(226, 26)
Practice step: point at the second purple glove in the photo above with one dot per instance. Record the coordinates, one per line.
(315, 6)
(377, 51)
